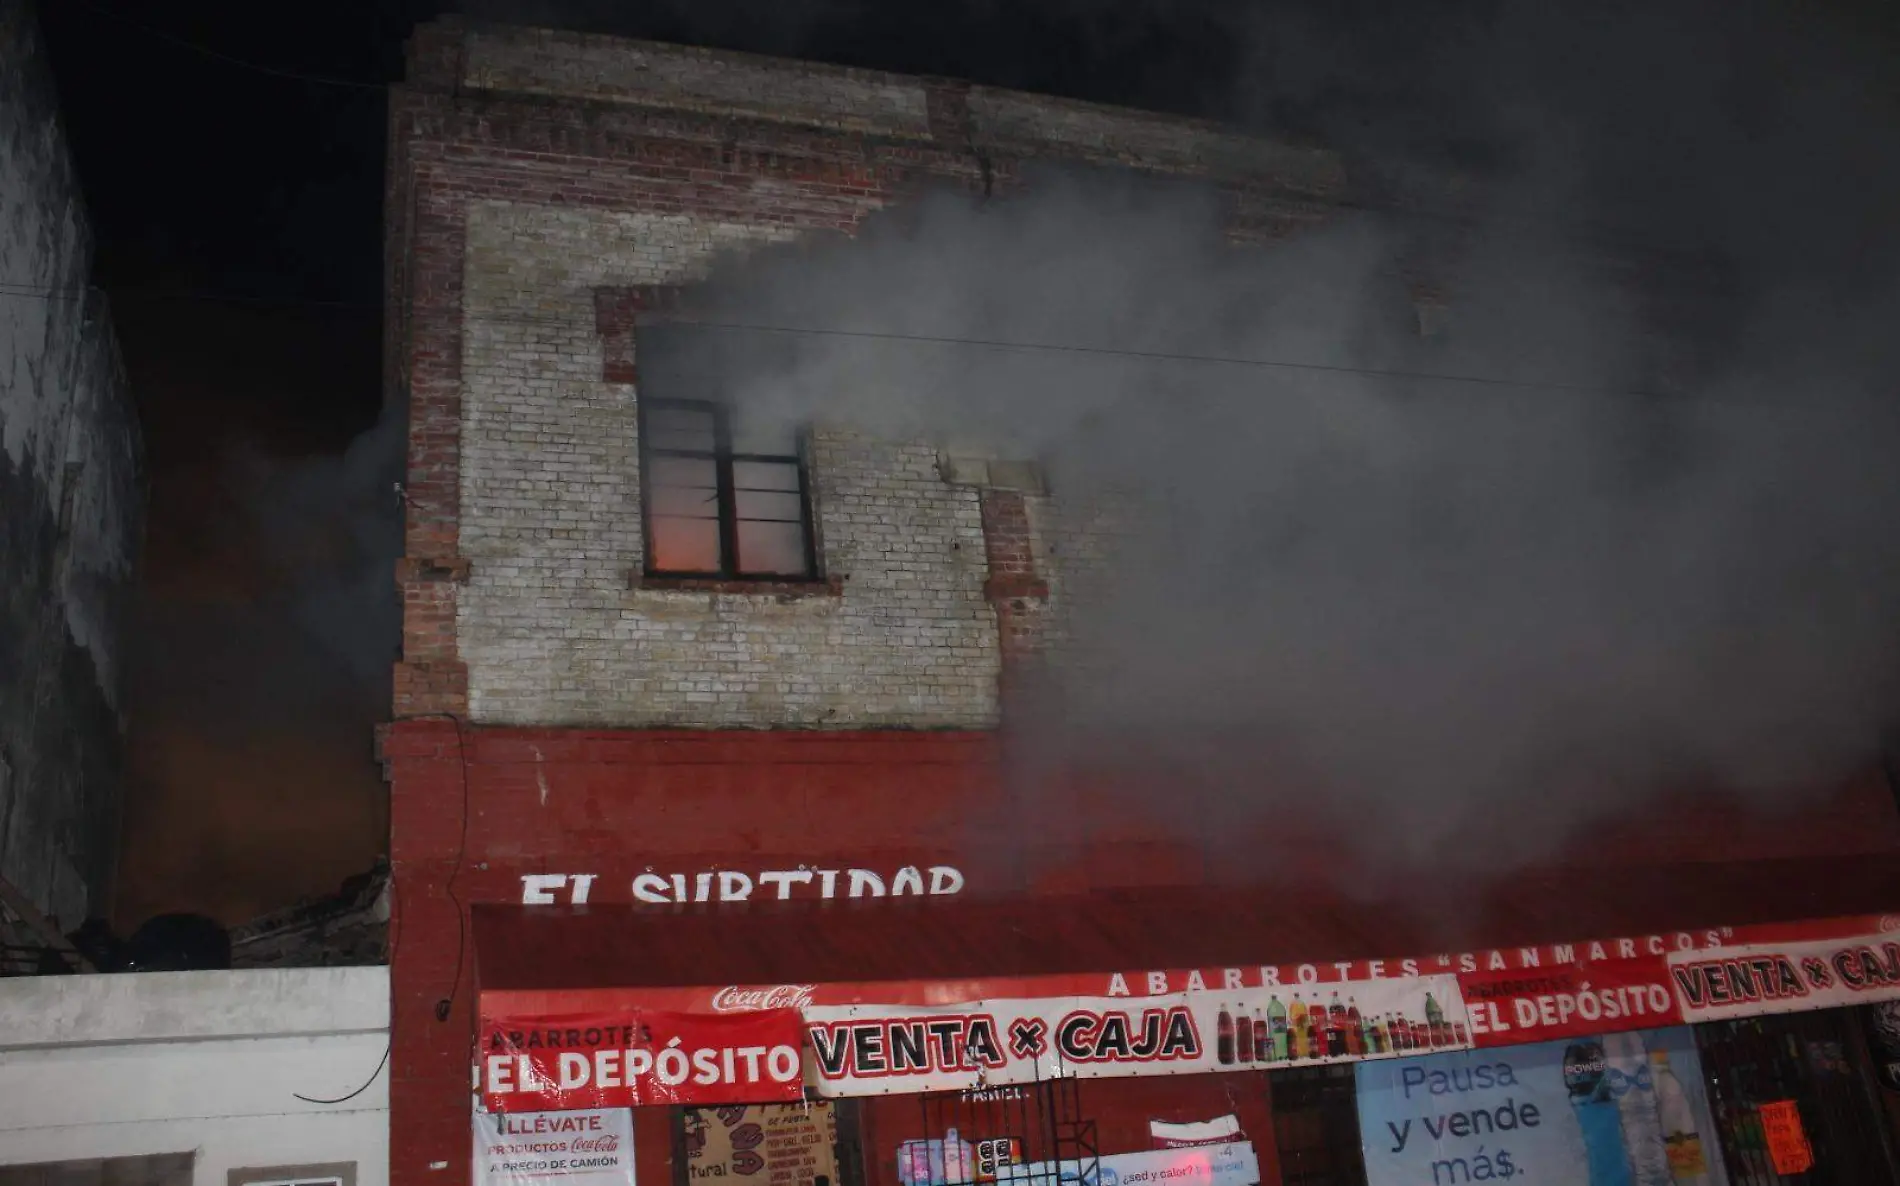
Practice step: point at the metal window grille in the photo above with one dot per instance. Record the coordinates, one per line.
(1001, 1134)
(1820, 1061)
(721, 502)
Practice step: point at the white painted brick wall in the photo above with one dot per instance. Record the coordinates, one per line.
(551, 525)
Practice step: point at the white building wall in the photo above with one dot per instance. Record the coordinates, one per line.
(551, 523)
(209, 1063)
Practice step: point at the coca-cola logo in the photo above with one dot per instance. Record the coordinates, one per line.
(606, 1143)
(733, 999)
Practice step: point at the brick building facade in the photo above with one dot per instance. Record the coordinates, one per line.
(573, 731)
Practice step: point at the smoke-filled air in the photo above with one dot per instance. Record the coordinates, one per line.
(1593, 535)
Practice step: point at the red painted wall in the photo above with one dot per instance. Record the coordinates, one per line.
(475, 809)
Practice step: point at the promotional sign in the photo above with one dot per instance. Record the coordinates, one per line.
(635, 1058)
(763, 1144)
(1232, 1164)
(1219, 1131)
(877, 1049)
(947, 1162)
(1509, 1008)
(997, 1157)
(592, 1147)
(1751, 980)
(1611, 1111)
(1787, 1141)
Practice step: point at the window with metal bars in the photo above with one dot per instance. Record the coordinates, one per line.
(722, 502)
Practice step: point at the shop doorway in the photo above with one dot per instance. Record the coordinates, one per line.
(1819, 1061)
(1316, 1126)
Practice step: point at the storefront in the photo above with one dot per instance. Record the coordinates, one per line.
(713, 1043)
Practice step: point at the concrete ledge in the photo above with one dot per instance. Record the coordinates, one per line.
(172, 1006)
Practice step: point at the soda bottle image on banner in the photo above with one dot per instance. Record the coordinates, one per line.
(1688, 1164)
(1434, 1021)
(1335, 1028)
(1276, 1026)
(1243, 1035)
(1355, 1028)
(1296, 1028)
(1262, 1039)
(1587, 1079)
(1224, 1037)
(1635, 1095)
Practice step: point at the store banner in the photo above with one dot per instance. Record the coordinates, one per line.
(1751, 980)
(633, 1058)
(881, 1049)
(762, 1144)
(1617, 1110)
(1510, 1008)
(589, 1147)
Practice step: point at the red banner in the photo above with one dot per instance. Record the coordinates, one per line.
(632, 1058)
(1788, 977)
(1507, 1008)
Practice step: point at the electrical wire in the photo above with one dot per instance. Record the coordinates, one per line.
(207, 51)
(994, 344)
(344, 1099)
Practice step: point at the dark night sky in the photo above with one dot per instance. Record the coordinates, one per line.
(238, 215)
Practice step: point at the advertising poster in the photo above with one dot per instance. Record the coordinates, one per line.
(624, 1060)
(1232, 1164)
(580, 1148)
(951, 1160)
(1202, 1132)
(762, 1144)
(1617, 1110)
(880, 1049)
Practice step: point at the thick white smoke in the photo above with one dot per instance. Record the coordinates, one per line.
(1508, 577)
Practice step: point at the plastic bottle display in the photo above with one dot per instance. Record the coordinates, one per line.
(1243, 1036)
(1688, 1163)
(1296, 1028)
(1276, 1027)
(1262, 1038)
(959, 1158)
(1224, 1037)
(1355, 1029)
(1587, 1079)
(1635, 1095)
